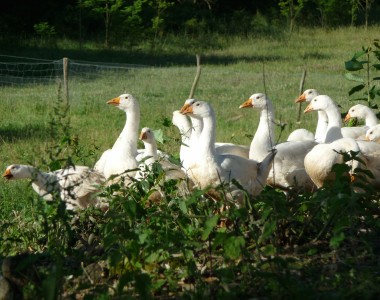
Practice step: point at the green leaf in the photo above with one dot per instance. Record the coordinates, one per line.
(268, 250)
(159, 135)
(312, 251)
(359, 54)
(209, 226)
(182, 206)
(353, 65)
(377, 54)
(268, 229)
(233, 246)
(353, 77)
(376, 66)
(356, 88)
(336, 240)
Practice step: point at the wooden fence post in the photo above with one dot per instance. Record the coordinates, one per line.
(302, 83)
(65, 79)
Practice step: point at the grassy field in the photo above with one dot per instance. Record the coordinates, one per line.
(232, 70)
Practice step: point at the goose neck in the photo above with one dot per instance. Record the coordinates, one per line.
(207, 137)
(263, 139)
(370, 118)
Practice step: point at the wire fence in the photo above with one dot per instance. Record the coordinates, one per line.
(20, 71)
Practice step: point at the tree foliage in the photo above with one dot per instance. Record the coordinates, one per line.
(118, 20)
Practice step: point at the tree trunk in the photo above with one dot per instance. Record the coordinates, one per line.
(107, 23)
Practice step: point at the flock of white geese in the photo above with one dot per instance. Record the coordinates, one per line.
(303, 163)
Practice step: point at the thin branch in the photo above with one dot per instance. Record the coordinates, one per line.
(302, 83)
(197, 75)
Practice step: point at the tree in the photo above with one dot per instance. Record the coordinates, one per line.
(291, 9)
(106, 8)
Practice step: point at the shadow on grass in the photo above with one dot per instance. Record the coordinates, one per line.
(158, 58)
(18, 132)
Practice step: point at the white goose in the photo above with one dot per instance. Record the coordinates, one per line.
(321, 159)
(320, 130)
(288, 169)
(184, 126)
(210, 169)
(172, 171)
(369, 151)
(373, 134)
(221, 148)
(350, 132)
(77, 186)
(362, 112)
(300, 134)
(122, 156)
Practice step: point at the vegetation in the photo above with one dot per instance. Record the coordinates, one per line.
(370, 65)
(114, 22)
(185, 246)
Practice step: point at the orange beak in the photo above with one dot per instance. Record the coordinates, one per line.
(347, 117)
(187, 109)
(308, 108)
(7, 174)
(143, 136)
(114, 101)
(301, 98)
(247, 103)
(183, 108)
(353, 178)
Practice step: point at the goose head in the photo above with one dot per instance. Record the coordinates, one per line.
(321, 102)
(124, 102)
(187, 103)
(373, 134)
(17, 172)
(356, 111)
(307, 95)
(146, 135)
(258, 100)
(198, 109)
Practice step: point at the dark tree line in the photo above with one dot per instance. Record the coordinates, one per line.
(108, 20)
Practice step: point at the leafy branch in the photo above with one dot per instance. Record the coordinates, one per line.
(361, 68)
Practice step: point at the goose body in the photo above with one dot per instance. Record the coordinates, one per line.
(369, 151)
(122, 156)
(300, 134)
(288, 169)
(321, 159)
(211, 169)
(77, 186)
